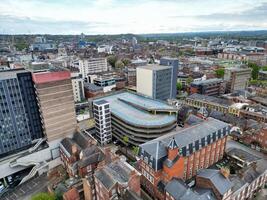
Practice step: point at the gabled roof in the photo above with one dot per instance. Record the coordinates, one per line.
(173, 144)
(221, 183)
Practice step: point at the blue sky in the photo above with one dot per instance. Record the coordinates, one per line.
(130, 16)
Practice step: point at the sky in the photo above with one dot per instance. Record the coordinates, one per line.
(130, 16)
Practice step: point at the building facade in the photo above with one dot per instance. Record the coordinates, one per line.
(92, 66)
(181, 154)
(210, 87)
(78, 89)
(139, 118)
(55, 96)
(174, 62)
(102, 116)
(155, 81)
(237, 78)
(19, 112)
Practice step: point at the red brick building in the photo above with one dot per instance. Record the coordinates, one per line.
(181, 154)
(116, 180)
(80, 155)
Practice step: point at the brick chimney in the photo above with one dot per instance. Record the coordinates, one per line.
(225, 172)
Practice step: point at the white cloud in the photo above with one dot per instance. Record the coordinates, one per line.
(125, 16)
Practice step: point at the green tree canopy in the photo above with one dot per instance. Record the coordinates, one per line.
(126, 61)
(119, 64)
(219, 72)
(179, 86)
(112, 60)
(43, 196)
(189, 80)
(255, 70)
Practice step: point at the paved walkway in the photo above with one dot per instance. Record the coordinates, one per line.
(28, 189)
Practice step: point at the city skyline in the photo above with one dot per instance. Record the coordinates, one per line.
(138, 17)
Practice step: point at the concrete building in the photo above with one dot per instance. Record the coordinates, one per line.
(155, 81)
(92, 65)
(78, 89)
(102, 116)
(181, 154)
(55, 95)
(210, 87)
(237, 78)
(130, 74)
(107, 83)
(20, 120)
(139, 118)
(174, 62)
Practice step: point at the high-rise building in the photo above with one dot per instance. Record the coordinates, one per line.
(20, 121)
(55, 96)
(102, 117)
(92, 66)
(78, 89)
(174, 62)
(237, 78)
(155, 81)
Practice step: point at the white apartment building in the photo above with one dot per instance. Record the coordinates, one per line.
(78, 89)
(102, 116)
(92, 66)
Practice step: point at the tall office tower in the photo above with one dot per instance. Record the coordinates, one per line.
(174, 62)
(55, 95)
(155, 81)
(92, 66)
(237, 78)
(102, 117)
(20, 121)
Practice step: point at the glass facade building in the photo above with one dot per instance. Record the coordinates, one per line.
(20, 120)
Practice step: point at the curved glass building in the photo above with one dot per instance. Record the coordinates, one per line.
(139, 118)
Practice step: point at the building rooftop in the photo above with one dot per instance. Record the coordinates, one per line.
(92, 87)
(157, 148)
(155, 67)
(218, 180)
(115, 172)
(122, 105)
(180, 191)
(208, 81)
(7, 74)
(212, 99)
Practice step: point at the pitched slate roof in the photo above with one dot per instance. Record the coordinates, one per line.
(180, 191)
(221, 183)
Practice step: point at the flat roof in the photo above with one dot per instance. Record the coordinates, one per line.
(208, 81)
(12, 73)
(212, 99)
(155, 67)
(135, 116)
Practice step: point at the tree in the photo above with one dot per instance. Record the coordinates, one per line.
(126, 141)
(255, 70)
(135, 150)
(189, 80)
(112, 60)
(119, 64)
(179, 86)
(220, 72)
(126, 61)
(43, 196)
